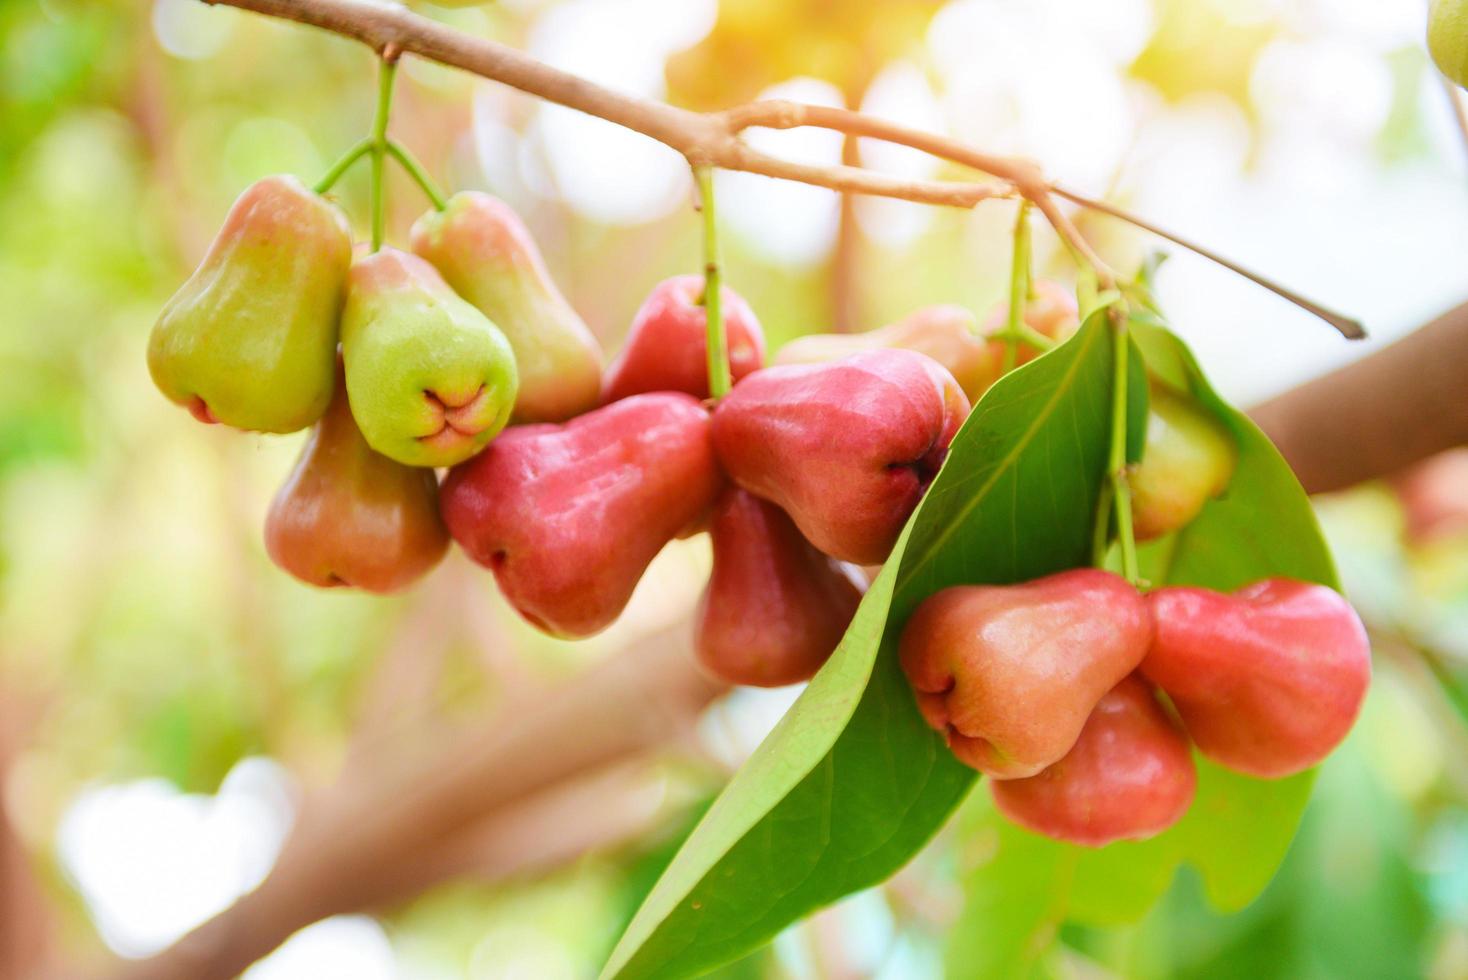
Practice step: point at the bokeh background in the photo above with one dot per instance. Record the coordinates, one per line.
(167, 697)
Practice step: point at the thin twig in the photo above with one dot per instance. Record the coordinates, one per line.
(1349, 328)
(351, 844)
(712, 139)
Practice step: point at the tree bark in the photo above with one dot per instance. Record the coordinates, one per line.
(1386, 411)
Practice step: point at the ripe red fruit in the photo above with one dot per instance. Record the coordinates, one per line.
(349, 516)
(775, 608)
(667, 344)
(1129, 776)
(1268, 679)
(1009, 673)
(846, 448)
(569, 516)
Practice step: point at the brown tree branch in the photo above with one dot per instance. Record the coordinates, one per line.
(1386, 411)
(25, 921)
(360, 844)
(712, 139)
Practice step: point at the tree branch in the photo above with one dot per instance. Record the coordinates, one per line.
(362, 843)
(712, 139)
(1386, 411)
(1349, 328)
(25, 922)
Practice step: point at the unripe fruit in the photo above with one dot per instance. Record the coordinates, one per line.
(1009, 673)
(348, 516)
(846, 448)
(775, 608)
(568, 517)
(1129, 776)
(431, 380)
(667, 344)
(250, 339)
(1447, 38)
(484, 251)
(948, 334)
(1188, 460)
(1268, 679)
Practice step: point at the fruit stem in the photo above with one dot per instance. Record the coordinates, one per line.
(1026, 334)
(720, 380)
(410, 163)
(379, 147)
(1121, 492)
(342, 165)
(1019, 287)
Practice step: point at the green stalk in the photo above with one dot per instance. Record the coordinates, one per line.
(379, 149)
(720, 380)
(420, 176)
(1019, 288)
(1088, 292)
(1120, 488)
(342, 165)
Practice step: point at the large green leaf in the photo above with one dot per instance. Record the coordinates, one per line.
(1239, 828)
(852, 782)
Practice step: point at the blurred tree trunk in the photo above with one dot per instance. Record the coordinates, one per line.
(25, 922)
(1386, 411)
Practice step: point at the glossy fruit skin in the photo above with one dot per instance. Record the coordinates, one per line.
(250, 339)
(775, 607)
(1447, 38)
(946, 333)
(568, 517)
(845, 448)
(1188, 460)
(667, 344)
(349, 516)
(1052, 311)
(1009, 673)
(1268, 679)
(431, 380)
(1129, 776)
(484, 251)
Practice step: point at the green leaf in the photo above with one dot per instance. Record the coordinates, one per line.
(1263, 524)
(1015, 897)
(1238, 830)
(852, 782)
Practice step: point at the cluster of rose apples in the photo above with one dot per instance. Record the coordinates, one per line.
(1050, 687)
(406, 362)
